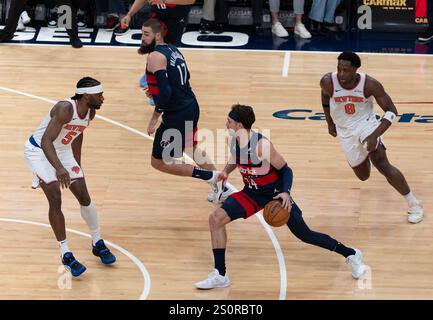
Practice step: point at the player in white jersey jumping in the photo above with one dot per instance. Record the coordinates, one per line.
(53, 153)
(347, 99)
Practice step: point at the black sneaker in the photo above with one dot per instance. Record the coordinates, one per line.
(112, 23)
(52, 19)
(330, 26)
(219, 28)
(118, 31)
(72, 265)
(205, 26)
(75, 41)
(81, 21)
(427, 36)
(101, 251)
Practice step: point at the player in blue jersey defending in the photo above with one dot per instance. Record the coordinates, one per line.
(266, 176)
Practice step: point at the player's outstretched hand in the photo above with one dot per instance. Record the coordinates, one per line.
(126, 20)
(222, 176)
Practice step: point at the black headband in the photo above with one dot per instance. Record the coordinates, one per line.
(234, 116)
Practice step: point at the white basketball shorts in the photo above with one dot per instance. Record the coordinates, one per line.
(42, 169)
(351, 138)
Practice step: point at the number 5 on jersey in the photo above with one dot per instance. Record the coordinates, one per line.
(68, 138)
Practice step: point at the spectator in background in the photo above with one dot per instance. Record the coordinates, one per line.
(277, 27)
(15, 10)
(75, 5)
(208, 19)
(428, 34)
(323, 14)
(257, 8)
(23, 20)
(215, 16)
(116, 11)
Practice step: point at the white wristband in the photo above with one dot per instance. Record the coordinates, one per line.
(390, 116)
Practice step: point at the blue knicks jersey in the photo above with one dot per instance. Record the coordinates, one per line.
(257, 176)
(182, 96)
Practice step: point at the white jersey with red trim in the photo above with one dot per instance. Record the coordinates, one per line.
(349, 107)
(69, 132)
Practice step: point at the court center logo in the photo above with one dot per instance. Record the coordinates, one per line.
(309, 114)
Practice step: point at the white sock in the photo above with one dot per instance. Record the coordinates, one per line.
(410, 198)
(63, 247)
(90, 215)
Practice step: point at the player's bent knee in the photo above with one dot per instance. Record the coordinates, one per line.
(85, 201)
(218, 218)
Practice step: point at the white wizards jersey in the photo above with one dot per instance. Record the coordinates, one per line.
(349, 107)
(69, 132)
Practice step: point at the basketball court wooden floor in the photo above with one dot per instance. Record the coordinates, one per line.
(159, 223)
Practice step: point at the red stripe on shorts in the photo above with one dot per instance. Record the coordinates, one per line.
(249, 205)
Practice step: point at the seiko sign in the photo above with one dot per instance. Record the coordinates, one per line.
(91, 36)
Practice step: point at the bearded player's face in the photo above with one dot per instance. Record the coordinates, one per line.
(147, 40)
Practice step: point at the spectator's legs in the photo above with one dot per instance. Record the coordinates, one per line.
(298, 9)
(208, 19)
(17, 6)
(317, 12)
(257, 7)
(300, 30)
(331, 6)
(221, 15)
(209, 10)
(277, 27)
(427, 36)
(73, 31)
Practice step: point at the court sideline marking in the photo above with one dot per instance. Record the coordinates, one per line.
(276, 244)
(286, 64)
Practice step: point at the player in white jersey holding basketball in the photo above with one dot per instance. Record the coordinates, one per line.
(53, 153)
(347, 99)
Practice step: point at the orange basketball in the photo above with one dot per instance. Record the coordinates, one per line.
(275, 215)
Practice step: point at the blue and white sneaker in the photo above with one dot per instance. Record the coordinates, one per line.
(143, 84)
(101, 251)
(72, 265)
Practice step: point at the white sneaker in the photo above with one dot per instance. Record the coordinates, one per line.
(358, 267)
(25, 17)
(415, 211)
(211, 197)
(214, 280)
(301, 31)
(218, 190)
(278, 30)
(20, 25)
